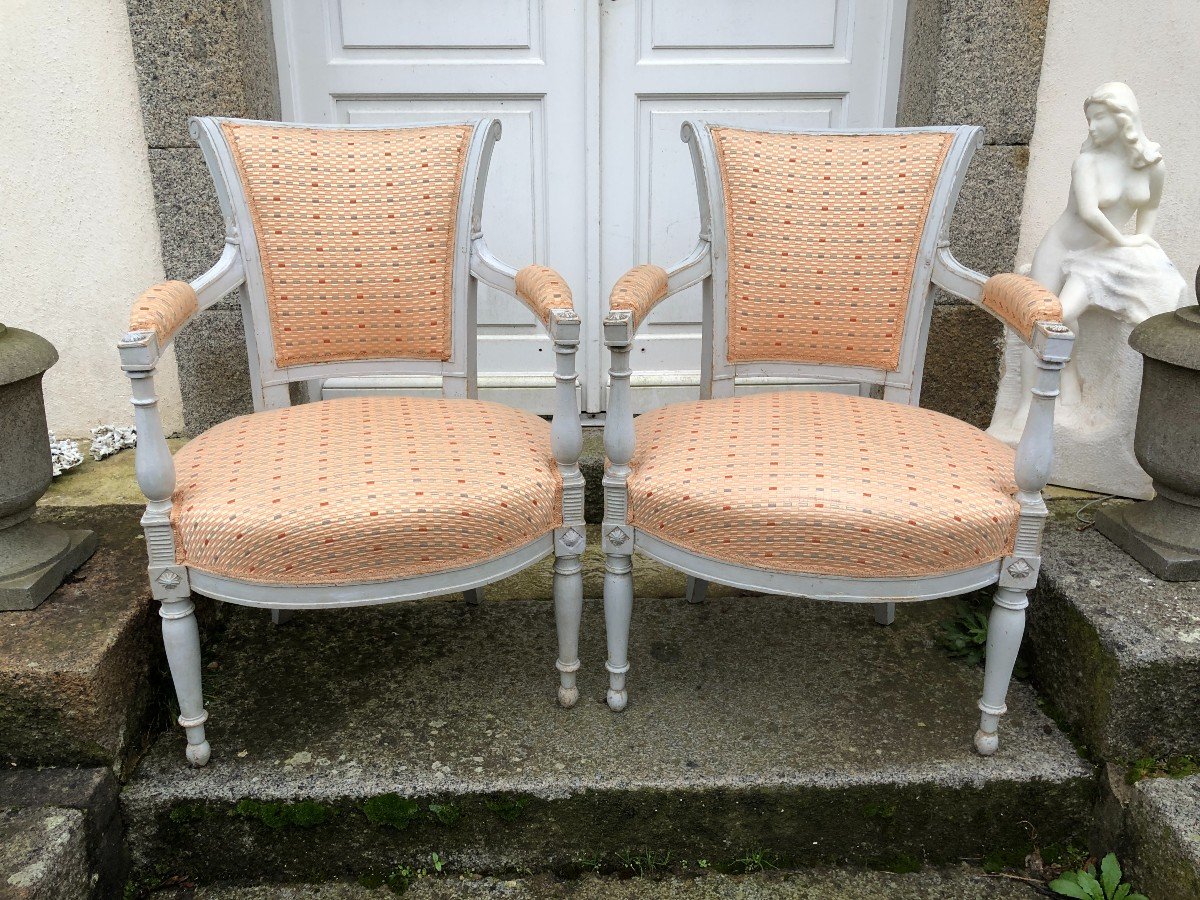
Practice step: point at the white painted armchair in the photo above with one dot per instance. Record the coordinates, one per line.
(817, 257)
(356, 250)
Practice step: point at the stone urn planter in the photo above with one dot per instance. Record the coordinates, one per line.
(34, 558)
(1163, 534)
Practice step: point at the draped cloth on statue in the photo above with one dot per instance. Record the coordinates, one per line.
(1094, 438)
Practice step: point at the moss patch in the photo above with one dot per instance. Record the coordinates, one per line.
(391, 809)
(302, 814)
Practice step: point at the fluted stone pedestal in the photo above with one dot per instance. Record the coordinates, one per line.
(34, 558)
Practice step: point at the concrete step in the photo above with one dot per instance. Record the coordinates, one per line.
(77, 674)
(809, 884)
(1163, 834)
(1114, 649)
(356, 741)
(60, 834)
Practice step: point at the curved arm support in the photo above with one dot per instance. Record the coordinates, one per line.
(159, 313)
(540, 288)
(1023, 305)
(640, 289)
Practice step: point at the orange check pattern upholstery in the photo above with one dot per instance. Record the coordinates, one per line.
(355, 230)
(543, 289)
(359, 490)
(639, 290)
(1020, 302)
(823, 484)
(823, 233)
(163, 309)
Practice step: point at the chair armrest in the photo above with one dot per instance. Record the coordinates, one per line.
(1028, 309)
(1020, 303)
(543, 290)
(540, 288)
(163, 309)
(643, 287)
(158, 313)
(639, 290)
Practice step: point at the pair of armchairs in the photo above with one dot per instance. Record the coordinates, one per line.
(359, 250)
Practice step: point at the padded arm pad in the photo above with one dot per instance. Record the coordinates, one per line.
(1020, 302)
(639, 290)
(163, 309)
(542, 289)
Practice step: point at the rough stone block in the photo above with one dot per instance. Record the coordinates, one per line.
(962, 363)
(75, 673)
(336, 752)
(985, 227)
(87, 795)
(1164, 831)
(1115, 649)
(43, 855)
(189, 217)
(214, 374)
(212, 57)
(989, 64)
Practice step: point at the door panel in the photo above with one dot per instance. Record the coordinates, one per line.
(756, 64)
(412, 61)
(590, 176)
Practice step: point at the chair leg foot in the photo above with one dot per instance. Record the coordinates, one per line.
(618, 611)
(181, 638)
(697, 590)
(282, 616)
(1006, 626)
(473, 596)
(885, 613)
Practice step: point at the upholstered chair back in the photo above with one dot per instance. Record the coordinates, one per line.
(356, 236)
(823, 234)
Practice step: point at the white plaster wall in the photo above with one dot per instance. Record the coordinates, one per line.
(1155, 49)
(78, 229)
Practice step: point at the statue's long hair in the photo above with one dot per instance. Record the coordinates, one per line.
(1119, 100)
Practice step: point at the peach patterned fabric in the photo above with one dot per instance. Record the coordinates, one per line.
(638, 290)
(823, 233)
(824, 484)
(356, 232)
(543, 289)
(163, 309)
(364, 489)
(1021, 302)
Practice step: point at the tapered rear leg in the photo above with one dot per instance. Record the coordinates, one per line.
(697, 590)
(885, 613)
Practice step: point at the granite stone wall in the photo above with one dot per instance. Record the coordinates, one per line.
(201, 57)
(965, 61)
(975, 62)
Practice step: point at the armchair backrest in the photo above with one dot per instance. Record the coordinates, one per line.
(822, 249)
(356, 245)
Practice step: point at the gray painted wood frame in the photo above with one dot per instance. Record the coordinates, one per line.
(239, 267)
(1015, 575)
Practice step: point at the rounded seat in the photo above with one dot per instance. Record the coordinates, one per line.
(360, 490)
(823, 484)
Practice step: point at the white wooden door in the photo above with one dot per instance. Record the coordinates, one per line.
(590, 176)
(411, 61)
(751, 63)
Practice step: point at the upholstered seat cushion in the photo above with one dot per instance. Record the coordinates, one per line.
(358, 490)
(825, 484)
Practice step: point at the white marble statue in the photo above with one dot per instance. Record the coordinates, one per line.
(1108, 281)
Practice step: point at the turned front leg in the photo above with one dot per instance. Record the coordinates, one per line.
(1019, 572)
(181, 638)
(1006, 626)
